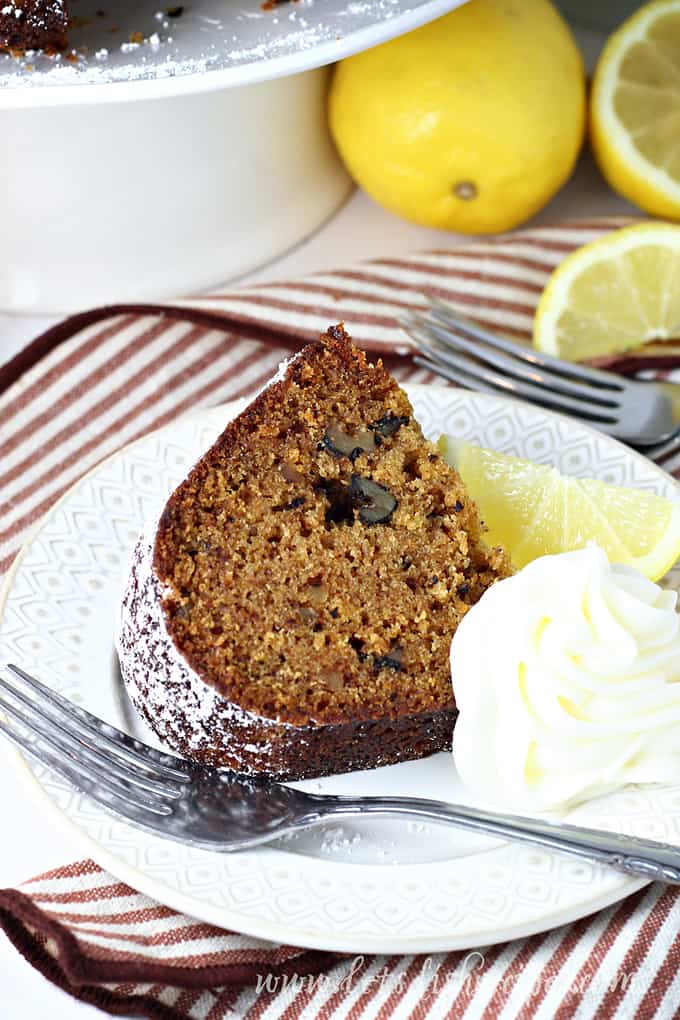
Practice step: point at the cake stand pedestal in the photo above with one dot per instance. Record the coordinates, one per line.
(138, 201)
(174, 149)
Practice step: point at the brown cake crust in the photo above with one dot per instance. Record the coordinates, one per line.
(307, 578)
(33, 25)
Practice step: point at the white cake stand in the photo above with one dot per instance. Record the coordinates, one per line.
(134, 171)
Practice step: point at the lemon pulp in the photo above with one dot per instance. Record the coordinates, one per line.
(533, 510)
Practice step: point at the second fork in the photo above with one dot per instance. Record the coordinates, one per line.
(642, 414)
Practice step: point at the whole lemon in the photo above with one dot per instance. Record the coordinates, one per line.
(471, 123)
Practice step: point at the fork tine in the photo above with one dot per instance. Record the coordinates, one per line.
(458, 378)
(133, 751)
(49, 750)
(516, 388)
(143, 817)
(575, 370)
(84, 761)
(72, 742)
(512, 364)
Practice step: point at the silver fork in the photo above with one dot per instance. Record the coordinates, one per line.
(224, 811)
(643, 414)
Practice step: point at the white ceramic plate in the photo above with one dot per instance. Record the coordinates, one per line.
(212, 45)
(387, 886)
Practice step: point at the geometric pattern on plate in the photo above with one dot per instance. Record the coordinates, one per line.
(332, 890)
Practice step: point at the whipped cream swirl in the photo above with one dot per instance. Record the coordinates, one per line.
(567, 680)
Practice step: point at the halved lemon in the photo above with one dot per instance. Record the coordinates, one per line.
(635, 109)
(613, 294)
(532, 510)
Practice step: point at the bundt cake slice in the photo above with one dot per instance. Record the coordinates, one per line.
(293, 612)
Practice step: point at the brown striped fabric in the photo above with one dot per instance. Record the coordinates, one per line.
(103, 378)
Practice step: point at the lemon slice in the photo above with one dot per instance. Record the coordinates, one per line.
(635, 109)
(613, 294)
(532, 510)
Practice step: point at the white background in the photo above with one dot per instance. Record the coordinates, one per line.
(360, 230)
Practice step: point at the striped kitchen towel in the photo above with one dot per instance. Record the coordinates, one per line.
(106, 377)
(108, 945)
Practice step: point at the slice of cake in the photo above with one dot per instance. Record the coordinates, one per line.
(291, 613)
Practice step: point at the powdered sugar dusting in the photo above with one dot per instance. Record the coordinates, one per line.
(35, 15)
(184, 711)
(281, 371)
(132, 42)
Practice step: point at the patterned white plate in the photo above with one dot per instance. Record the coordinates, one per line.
(390, 886)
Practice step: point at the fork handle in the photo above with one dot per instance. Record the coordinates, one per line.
(644, 858)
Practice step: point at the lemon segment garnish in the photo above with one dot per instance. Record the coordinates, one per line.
(533, 510)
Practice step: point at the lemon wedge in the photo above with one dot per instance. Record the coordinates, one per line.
(532, 510)
(613, 294)
(635, 109)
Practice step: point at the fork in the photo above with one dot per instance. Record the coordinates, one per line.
(224, 811)
(643, 414)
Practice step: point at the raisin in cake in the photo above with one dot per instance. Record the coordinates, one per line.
(292, 610)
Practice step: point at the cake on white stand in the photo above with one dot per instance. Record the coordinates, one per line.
(146, 170)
